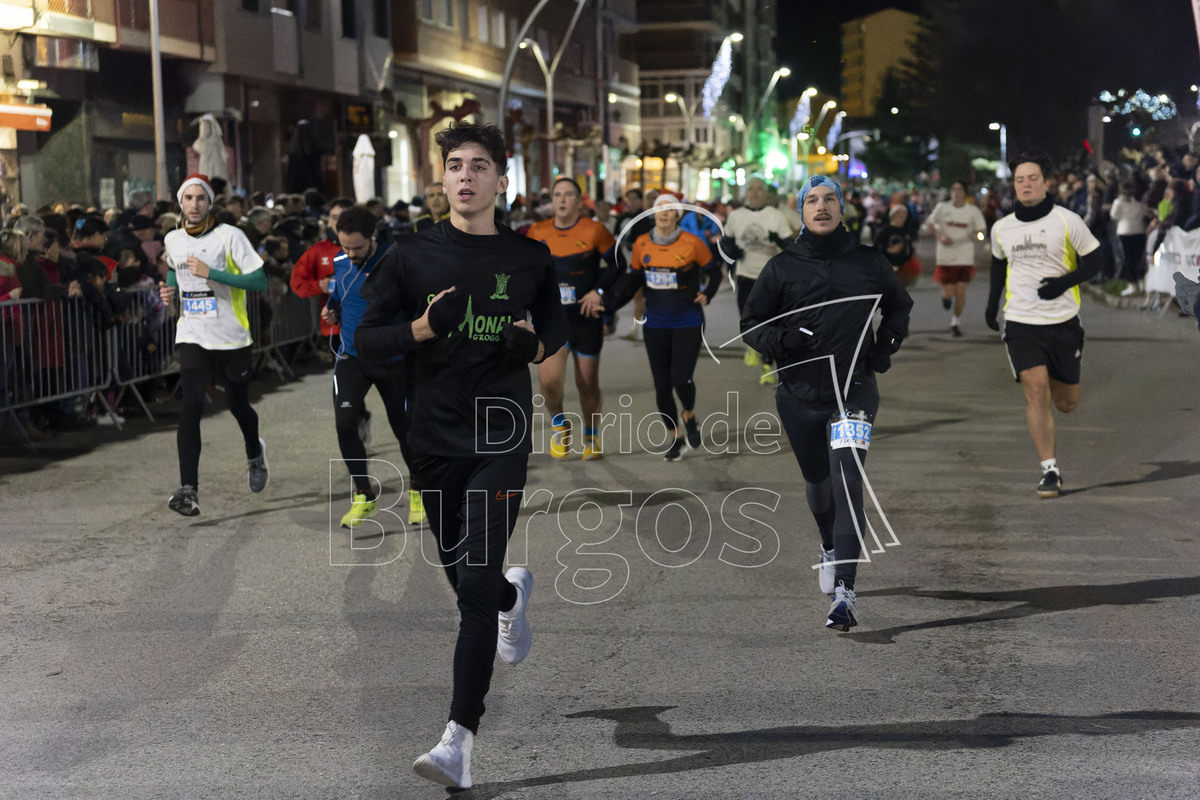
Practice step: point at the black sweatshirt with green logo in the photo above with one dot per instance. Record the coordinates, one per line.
(466, 395)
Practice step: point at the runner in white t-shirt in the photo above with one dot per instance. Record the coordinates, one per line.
(754, 234)
(213, 266)
(1041, 252)
(957, 225)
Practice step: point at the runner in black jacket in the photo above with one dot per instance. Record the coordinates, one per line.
(454, 300)
(811, 310)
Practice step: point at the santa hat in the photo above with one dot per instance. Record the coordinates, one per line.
(196, 179)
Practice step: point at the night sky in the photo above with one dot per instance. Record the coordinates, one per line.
(1152, 46)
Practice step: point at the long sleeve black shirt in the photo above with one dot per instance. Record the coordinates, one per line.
(832, 288)
(466, 396)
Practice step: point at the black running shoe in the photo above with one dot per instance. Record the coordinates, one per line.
(1051, 485)
(693, 433)
(955, 331)
(946, 303)
(183, 500)
(676, 451)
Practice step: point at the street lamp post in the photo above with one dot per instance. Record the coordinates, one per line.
(690, 138)
(738, 122)
(782, 72)
(548, 75)
(1002, 172)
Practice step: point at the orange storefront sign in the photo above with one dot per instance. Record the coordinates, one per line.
(24, 117)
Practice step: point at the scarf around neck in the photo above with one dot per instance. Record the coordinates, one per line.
(202, 227)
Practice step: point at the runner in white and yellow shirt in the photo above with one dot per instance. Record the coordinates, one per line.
(213, 266)
(1041, 252)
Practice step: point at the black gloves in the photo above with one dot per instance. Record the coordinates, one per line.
(1051, 288)
(989, 316)
(880, 359)
(729, 247)
(447, 312)
(520, 344)
(778, 240)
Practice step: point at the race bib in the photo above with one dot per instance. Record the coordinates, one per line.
(199, 305)
(666, 279)
(566, 294)
(845, 433)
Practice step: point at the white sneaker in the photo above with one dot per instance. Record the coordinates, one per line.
(826, 570)
(515, 639)
(450, 762)
(842, 614)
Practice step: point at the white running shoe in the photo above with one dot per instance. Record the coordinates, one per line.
(842, 614)
(826, 570)
(450, 762)
(515, 639)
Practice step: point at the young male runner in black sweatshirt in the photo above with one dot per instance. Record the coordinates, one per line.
(454, 300)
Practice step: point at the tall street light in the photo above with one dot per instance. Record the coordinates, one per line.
(548, 75)
(782, 72)
(739, 123)
(821, 117)
(1002, 172)
(684, 173)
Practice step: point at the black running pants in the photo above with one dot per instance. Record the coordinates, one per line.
(472, 505)
(833, 480)
(198, 366)
(673, 353)
(352, 379)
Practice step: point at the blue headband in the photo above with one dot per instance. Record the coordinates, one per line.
(811, 183)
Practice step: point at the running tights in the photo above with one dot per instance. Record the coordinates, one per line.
(673, 353)
(832, 478)
(192, 383)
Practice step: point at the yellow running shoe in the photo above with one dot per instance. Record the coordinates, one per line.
(416, 509)
(752, 358)
(360, 508)
(768, 377)
(591, 449)
(560, 441)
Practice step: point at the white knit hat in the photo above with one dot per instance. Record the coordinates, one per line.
(196, 179)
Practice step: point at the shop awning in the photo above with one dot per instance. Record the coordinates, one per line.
(24, 117)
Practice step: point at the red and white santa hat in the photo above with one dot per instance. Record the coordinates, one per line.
(196, 179)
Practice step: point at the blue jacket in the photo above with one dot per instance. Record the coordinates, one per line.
(344, 296)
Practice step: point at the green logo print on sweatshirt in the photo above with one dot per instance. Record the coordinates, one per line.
(483, 328)
(501, 292)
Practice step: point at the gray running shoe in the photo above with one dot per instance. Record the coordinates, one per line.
(183, 500)
(258, 475)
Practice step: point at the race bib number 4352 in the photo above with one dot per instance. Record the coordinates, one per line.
(850, 433)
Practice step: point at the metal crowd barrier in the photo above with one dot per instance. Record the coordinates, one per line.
(57, 350)
(50, 351)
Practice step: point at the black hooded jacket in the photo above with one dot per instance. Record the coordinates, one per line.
(811, 284)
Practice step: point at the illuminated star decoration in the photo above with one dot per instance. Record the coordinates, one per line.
(717, 78)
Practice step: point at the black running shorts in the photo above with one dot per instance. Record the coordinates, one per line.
(585, 335)
(1057, 347)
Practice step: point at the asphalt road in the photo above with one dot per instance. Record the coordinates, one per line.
(1009, 647)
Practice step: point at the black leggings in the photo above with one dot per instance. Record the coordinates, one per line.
(472, 505)
(198, 366)
(352, 379)
(1133, 247)
(832, 479)
(673, 353)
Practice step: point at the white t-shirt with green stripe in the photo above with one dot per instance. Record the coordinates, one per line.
(1047, 247)
(213, 315)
